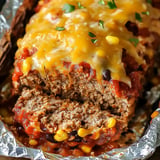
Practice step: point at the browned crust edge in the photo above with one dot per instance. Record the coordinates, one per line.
(8, 44)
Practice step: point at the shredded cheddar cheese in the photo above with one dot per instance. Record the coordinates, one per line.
(60, 30)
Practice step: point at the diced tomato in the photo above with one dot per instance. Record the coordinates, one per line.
(17, 73)
(66, 64)
(26, 53)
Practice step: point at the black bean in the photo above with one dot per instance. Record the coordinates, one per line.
(107, 75)
(77, 138)
(73, 133)
(82, 123)
(132, 27)
(49, 137)
(20, 129)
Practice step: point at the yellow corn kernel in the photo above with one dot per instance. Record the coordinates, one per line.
(26, 65)
(154, 114)
(111, 123)
(83, 132)
(112, 40)
(95, 135)
(100, 53)
(61, 135)
(33, 142)
(86, 148)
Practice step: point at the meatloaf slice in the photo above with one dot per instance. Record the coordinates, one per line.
(66, 123)
(54, 113)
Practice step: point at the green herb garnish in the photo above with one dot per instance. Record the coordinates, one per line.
(138, 17)
(101, 23)
(91, 34)
(146, 13)
(149, 1)
(94, 40)
(112, 5)
(67, 8)
(101, 2)
(135, 41)
(60, 28)
(80, 6)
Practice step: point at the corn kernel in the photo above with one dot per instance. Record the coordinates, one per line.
(154, 114)
(95, 135)
(86, 148)
(61, 135)
(100, 53)
(112, 40)
(33, 142)
(83, 132)
(26, 65)
(111, 123)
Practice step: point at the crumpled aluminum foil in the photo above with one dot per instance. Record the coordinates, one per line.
(7, 14)
(140, 150)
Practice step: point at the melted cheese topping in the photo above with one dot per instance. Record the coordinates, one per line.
(74, 43)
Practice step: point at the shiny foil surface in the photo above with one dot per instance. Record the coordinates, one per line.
(140, 150)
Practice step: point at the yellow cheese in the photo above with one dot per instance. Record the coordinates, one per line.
(73, 43)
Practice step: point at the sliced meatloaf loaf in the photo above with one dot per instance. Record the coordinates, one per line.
(79, 71)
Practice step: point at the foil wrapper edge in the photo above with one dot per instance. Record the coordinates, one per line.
(10, 147)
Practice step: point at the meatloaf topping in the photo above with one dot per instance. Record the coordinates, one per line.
(87, 31)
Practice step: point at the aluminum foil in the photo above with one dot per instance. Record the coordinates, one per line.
(7, 14)
(140, 150)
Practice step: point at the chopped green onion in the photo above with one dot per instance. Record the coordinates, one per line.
(67, 8)
(91, 34)
(146, 13)
(135, 41)
(60, 28)
(138, 17)
(80, 6)
(101, 2)
(149, 1)
(101, 23)
(112, 5)
(94, 40)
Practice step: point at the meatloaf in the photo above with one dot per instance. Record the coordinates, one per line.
(79, 71)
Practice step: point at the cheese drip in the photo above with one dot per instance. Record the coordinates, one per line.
(74, 44)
